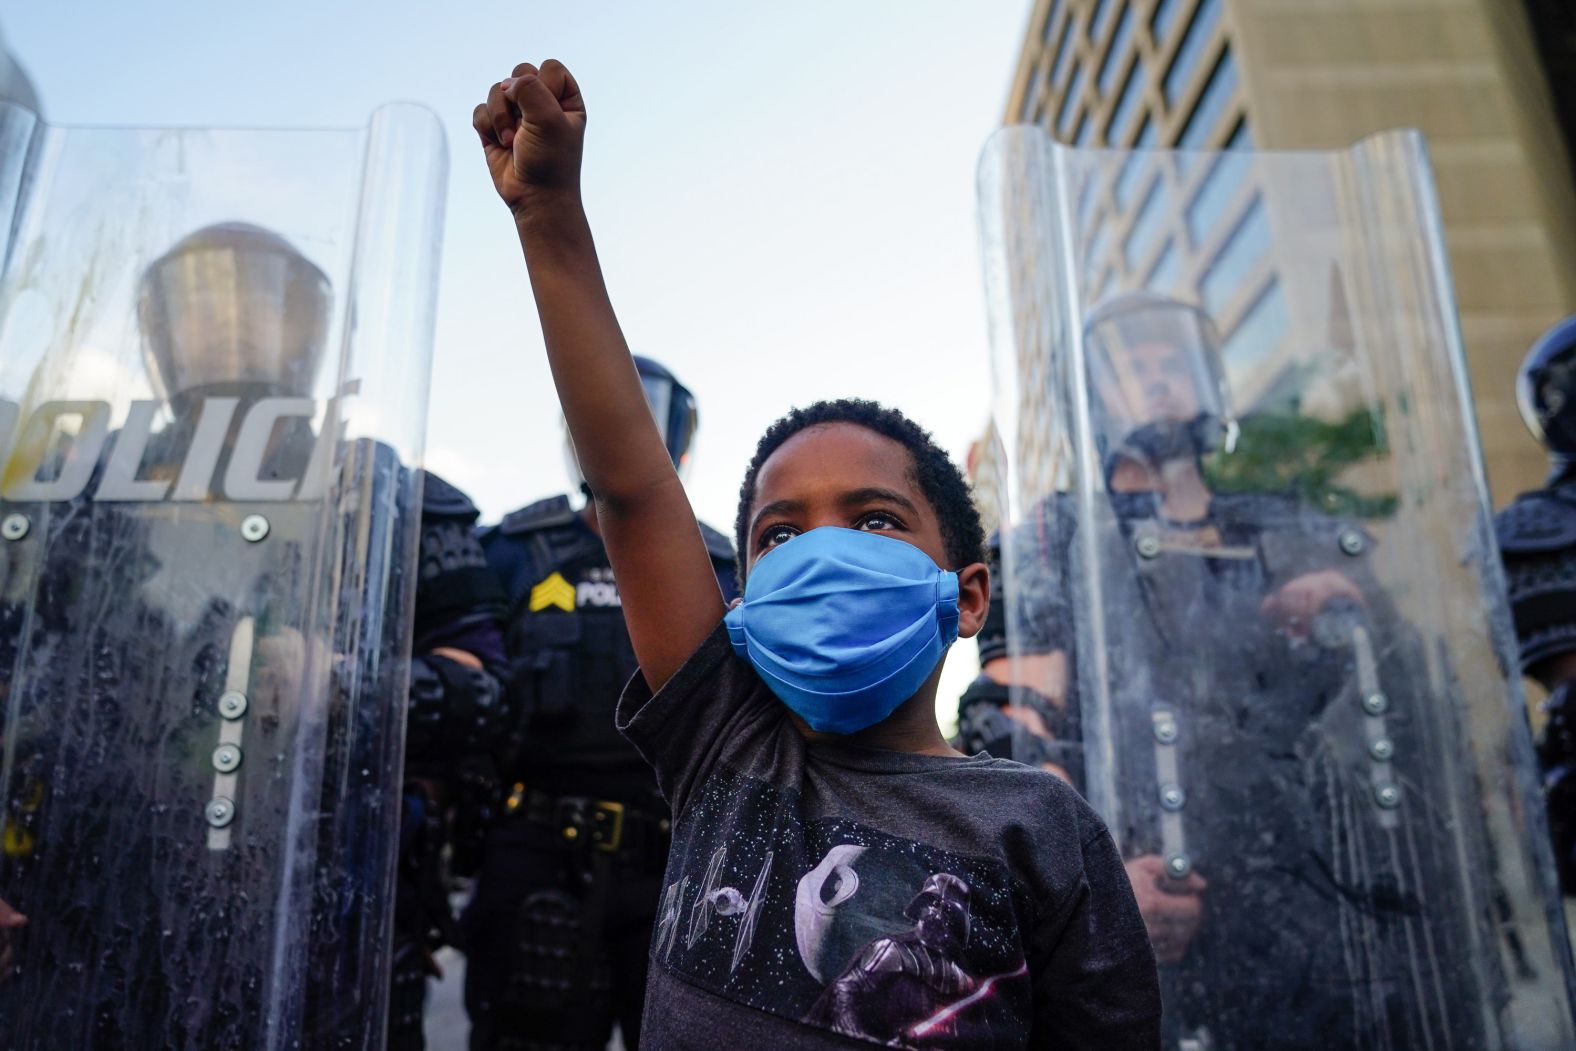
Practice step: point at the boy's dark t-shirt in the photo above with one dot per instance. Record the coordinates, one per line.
(825, 895)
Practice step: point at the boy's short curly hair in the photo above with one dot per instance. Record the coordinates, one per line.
(937, 477)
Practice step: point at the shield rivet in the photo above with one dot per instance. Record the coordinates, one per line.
(1166, 731)
(1376, 704)
(1387, 796)
(1172, 797)
(1178, 866)
(15, 527)
(226, 758)
(232, 705)
(1352, 542)
(219, 812)
(254, 528)
(1382, 749)
(1148, 545)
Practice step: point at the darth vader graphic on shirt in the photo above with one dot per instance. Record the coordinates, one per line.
(841, 926)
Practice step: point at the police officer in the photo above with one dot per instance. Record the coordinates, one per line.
(559, 927)
(456, 710)
(1258, 704)
(155, 684)
(206, 626)
(1537, 540)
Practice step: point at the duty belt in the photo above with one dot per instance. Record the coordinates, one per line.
(604, 825)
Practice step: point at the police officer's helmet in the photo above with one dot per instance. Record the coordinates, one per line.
(673, 407)
(1546, 390)
(1126, 422)
(234, 307)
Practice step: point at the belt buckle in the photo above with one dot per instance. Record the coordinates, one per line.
(607, 825)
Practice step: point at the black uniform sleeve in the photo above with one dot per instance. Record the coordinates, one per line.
(455, 587)
(454, 709)
(459, 601)
(1031, 606)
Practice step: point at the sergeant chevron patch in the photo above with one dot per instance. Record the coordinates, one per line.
(554, 591)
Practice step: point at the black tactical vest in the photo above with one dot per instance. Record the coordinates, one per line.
(569, 652)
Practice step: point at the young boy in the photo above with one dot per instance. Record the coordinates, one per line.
(839, 876)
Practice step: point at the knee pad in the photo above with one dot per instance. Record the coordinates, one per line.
(556, 998)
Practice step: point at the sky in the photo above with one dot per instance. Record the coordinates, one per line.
(782, 194)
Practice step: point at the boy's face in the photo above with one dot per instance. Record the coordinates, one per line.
(841, 474)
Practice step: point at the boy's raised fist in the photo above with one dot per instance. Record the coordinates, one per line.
(532, 128)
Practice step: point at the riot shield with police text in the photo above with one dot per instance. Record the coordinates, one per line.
(214, 354)
(1245, 501)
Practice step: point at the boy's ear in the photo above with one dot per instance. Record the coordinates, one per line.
(973, 599)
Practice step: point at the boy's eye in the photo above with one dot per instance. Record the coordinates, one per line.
(776, 534)
(879, 521)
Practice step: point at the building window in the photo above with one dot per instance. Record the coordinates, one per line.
(1206, 115)
(1245, 247)
(1260, 331)
(1086, 129)
(1127, 180)
(1086, 199)
(1050, 20)
(1031, 94)
(1165, 17)
(1116, 52)
(1063, 50)
(1191, 50)
(1146, 228)
(1103, 286)
(1099, 245)
(1135, 165)
(1064, 116)
(1216, 192)
(1097, 19)
(1167, 273)
(1132, 95)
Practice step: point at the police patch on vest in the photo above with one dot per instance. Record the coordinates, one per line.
(554, 591)
(598, 590)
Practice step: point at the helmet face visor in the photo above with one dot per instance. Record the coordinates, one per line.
(673, 407)
(234, 307)
(1546, 390)
(1153, 370)
(659, 395)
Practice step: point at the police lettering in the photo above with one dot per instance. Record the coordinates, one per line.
(72, 454)
(597, 593)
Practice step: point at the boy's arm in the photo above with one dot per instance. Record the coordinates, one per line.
(532, 128)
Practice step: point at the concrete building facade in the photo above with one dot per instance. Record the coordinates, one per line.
(1322, 74)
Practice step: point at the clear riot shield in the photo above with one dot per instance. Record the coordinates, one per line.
(214, 354)
(1244, 499)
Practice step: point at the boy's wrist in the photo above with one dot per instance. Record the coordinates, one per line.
(547, 207)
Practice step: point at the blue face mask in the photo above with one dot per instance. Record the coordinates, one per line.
(845, 625)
